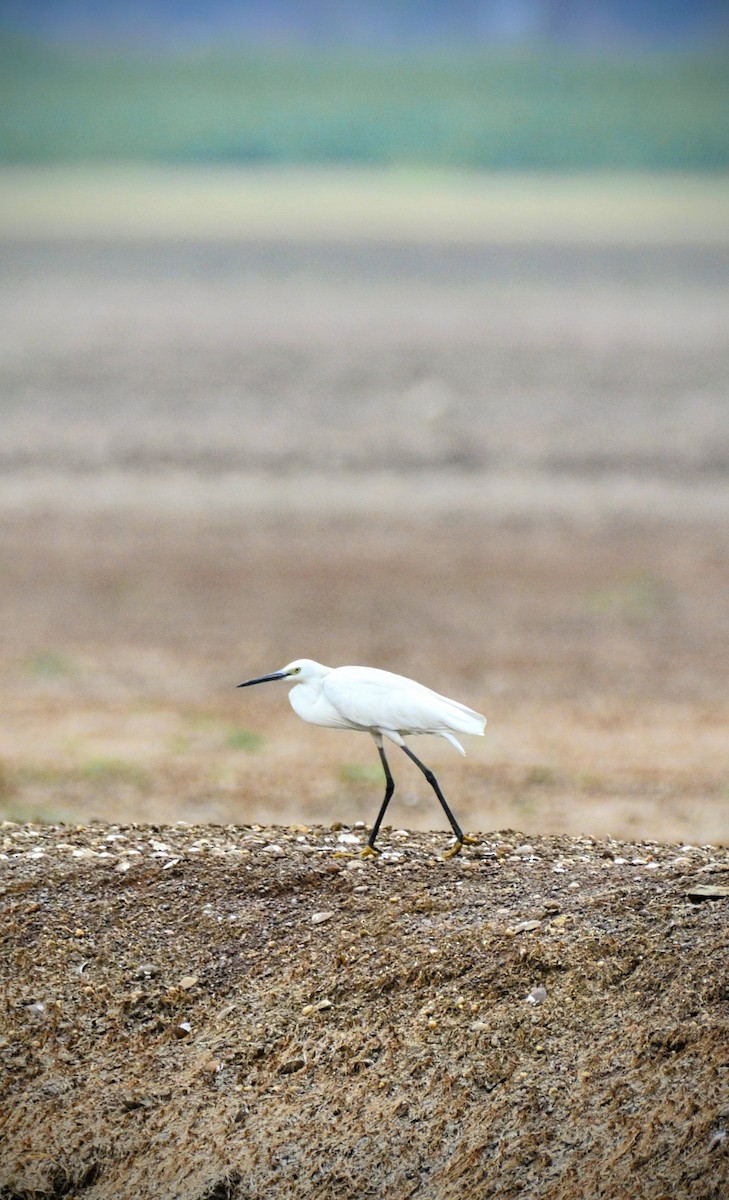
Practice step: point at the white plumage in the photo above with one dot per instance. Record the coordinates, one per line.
(383, 704)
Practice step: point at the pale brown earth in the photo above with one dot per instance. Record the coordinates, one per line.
(502, 470)
(599, 656)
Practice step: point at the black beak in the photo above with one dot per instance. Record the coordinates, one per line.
(263, 679)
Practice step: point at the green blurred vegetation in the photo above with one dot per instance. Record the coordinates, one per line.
(359, 773)
(239, 738)
(528, 111)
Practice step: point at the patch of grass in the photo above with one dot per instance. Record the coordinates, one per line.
(179, 743)
(541, 776)
(8, 785)
(239, 738)
(35, 814)
(102, 772)
(635, 598)
(587, 781)
(42, 774)
(106, 771)
(359, 773)
(50, 664)
(524, 805)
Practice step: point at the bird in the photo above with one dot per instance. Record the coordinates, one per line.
(386, 706)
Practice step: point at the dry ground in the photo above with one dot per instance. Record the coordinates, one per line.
(207, 1013)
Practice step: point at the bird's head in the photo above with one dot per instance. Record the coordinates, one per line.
(301, 670)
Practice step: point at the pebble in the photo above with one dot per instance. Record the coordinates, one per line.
(526, 926)
(318, 918)
(146, 971)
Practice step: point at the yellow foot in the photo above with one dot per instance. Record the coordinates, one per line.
(456, 848)
(369, 851)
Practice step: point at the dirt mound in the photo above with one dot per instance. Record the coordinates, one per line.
(202, 1013)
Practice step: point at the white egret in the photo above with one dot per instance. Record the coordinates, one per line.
(385, 705)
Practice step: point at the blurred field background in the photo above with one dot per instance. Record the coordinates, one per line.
(407, 350)
(450, 108)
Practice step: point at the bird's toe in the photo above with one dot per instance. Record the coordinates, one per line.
(369, 851)
(454, 850)
(465, 840)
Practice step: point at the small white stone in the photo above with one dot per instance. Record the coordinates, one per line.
(537, 995)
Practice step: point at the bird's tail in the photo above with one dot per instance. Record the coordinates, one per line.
(462, 720)
(465, 720)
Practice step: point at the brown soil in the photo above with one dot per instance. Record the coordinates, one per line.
(225, 1012)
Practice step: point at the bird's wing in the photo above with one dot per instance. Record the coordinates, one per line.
(374, 699)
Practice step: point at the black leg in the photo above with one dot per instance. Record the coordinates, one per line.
(389, 789)
(460, 836)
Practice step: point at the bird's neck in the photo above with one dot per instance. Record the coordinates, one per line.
(304, 694)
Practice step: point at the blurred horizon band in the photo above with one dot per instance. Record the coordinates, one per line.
(347, 203)
(453, 108)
